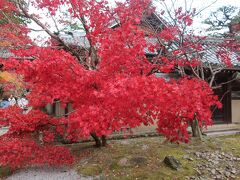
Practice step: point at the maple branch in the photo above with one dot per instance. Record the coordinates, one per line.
(37, 21)
(52, 35)
(202, 72)
(55, 24)
(227, 82)
(194, 72)
(205, 7)
(169, 13)
(92, 51)
(215, 107)
(37, 30)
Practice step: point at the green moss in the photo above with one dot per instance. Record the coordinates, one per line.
(231, 144)
(114, 166)
(90, 170)
(107, 159)
(5, 171)
(230, 136)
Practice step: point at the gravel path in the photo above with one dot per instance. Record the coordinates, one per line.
(48, 174)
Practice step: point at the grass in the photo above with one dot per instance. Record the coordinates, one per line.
(144, 157)
(231, 144)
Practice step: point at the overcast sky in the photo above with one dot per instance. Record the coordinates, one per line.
(208, 6)
(198, 4)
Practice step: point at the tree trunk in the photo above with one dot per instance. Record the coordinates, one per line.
(99, 142)
(196, 131)
(104, 141)
(96, 139)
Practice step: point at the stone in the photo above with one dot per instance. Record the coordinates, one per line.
(198, 154)
(172, 162)
(198, 172)
(138, 161)
(233, 171)
(227, 174)
(232, 176)
(220, 156)
(213, 171)
(220, 171)
(145, 147)
(228, 167)
(215, 162)
(190, 159)
(123, 162)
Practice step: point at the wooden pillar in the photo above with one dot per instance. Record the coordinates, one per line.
(58, 110)
(49, 109)
(227, 103)
(68, 109)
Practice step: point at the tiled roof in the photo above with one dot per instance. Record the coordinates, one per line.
(211, 48)
(167, 76)
(5, 54)
(235, 27)
(76, 38)
(82, 41)
(151, 41)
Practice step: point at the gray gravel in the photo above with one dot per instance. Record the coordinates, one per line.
(216, 165)
(48, 174)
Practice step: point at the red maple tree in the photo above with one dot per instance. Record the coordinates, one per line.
(110, 87)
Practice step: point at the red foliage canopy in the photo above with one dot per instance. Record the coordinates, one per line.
(118, 93)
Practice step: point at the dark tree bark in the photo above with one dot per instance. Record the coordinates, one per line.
(104, 141)
(99, 141)
(96, 139)
(196, 131)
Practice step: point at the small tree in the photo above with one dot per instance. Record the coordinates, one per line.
(181, 50)
(110, 87)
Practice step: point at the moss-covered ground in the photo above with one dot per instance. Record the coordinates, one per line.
(142, 158)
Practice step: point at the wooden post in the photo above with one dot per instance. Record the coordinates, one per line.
(68, 109)
(227, 104)
(58, 110)
(49, 109)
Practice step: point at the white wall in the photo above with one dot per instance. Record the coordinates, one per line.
(236, 111)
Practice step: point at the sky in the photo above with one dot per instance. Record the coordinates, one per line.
(207, 6)
(198, 4)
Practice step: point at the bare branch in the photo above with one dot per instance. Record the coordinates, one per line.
(52, 35)
(205, 7)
